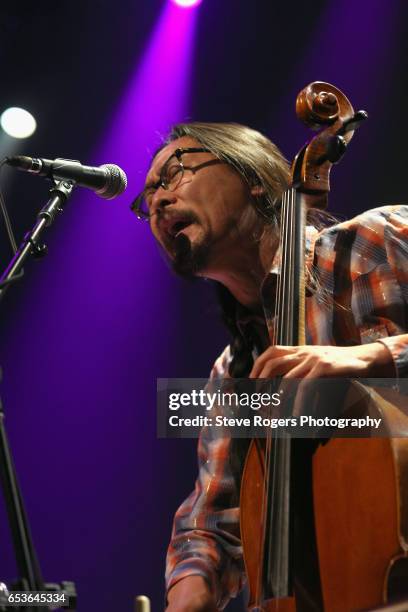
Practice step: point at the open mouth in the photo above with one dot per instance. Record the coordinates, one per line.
(178, 227)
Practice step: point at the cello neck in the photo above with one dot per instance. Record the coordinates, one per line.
(289, 330)
(290, 295)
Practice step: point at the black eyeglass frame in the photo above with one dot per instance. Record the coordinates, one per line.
(135, 206)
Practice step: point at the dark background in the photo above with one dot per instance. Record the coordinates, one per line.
(89, 329)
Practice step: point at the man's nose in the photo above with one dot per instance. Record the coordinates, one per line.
(161, 199)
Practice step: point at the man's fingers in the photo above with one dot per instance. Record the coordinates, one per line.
(301, 369)
(277, 366)
(272, 353)
(260, 362)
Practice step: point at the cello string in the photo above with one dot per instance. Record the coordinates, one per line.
(282, 326)
(289, 267)
(287, 304)
(286, 267)
(290, 339)
(281, 322)
(285, 310)
(291, 264)
(276, 475)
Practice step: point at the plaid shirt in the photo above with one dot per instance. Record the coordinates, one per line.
(363, 265)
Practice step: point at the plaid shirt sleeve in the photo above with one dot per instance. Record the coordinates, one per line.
(205, 539)
(395, 242)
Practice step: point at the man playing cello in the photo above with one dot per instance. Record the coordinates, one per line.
(212, 199)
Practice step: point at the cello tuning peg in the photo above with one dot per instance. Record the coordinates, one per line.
(354, 122)
(336, 148)
(337, 145)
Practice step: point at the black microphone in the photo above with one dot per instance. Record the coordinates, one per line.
(108, 181)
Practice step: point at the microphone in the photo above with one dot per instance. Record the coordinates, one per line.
(108, 181)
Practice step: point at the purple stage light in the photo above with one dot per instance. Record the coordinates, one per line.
(110, 253)
(187, 3)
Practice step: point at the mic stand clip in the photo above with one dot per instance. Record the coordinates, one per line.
(31, 244)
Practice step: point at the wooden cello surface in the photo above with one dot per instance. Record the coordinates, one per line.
(360, 489)
(360, 505)
(252, 529)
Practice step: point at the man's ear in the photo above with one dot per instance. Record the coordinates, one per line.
(257, 190)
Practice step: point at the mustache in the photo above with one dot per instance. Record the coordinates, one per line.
(167, 216)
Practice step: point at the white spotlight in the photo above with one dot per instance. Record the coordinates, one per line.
(187, 3)
(18, 123)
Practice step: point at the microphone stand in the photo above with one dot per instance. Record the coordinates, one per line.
(27, 562)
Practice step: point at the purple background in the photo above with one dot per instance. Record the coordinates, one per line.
(87, 332)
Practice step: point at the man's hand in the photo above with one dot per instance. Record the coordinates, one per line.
(364, 361)
(191, 594)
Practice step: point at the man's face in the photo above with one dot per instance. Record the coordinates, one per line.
(200, 221)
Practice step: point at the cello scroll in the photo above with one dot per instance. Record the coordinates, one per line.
(317, 105)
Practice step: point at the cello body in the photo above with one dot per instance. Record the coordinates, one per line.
(359, 500)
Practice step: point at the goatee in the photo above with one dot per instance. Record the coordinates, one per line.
(189, 259)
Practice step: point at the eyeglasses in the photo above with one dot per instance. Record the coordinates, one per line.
(172, 174)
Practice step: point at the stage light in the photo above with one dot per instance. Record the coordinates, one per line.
(18, 123)
(187, 3)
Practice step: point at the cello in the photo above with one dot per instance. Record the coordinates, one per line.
(324, 526)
